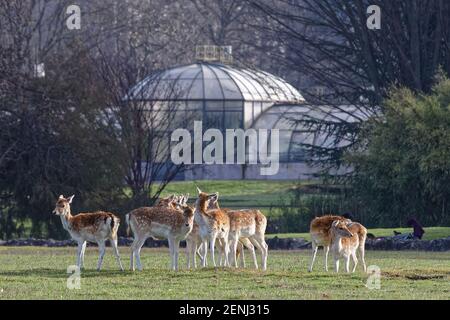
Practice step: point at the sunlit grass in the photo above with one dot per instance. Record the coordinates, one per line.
(40, 273)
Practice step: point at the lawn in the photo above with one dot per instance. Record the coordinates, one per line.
(40, 273)
(238, 193)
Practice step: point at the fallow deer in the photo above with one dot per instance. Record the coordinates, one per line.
(321, 236)
(346, 240)
(239, 227)
(94, 227)
(159, 222)
(193, 239)
(213, 225)
(248, 224)
(167, 202)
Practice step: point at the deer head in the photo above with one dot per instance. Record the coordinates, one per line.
(62, 207)
(204, 200)
(188, 214)
(340, 228)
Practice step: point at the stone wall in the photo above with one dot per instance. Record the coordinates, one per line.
(274, 244)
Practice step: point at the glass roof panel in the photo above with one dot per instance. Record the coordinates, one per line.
(220, 81)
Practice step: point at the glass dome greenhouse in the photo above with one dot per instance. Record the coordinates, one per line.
(222, 96)
(294, 133)
(228, 97)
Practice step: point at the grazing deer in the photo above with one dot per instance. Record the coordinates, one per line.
(321, 236)
(213, 225)
(346, 239)
(94, 227)
(159, 222)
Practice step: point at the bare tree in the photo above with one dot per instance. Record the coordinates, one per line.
(330, 43)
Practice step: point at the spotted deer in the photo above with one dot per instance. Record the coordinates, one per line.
(193, 239)
(248, 224)
(321, 236)
(93, 227)
(213, 225)
(242, 223)
(161, 223)
(167, 202)
(346, 239)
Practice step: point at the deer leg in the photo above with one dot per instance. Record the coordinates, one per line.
(326, 249)
(234, 244)
(200, 252)
(173, 253)
(212, 243)
(264, 250)
(133, 245)
(101, 248)
(205, 253)
(347, 263)
(195, 247)
(336, 264)
(248, 244)
(355, 261)
(137, 253)
(83, 249)
(176, 247)
(313, 258)
(227, 251)
(116, 252)
(79, 252)
(362, 256)
(189, 245)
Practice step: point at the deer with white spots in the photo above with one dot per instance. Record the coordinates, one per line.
(346, 239)
(159, 222)
(213, 225)
(193, 239)
(94, 227)
(247, 227)
(320, 231)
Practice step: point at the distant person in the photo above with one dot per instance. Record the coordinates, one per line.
(417, 233)
(418, 230)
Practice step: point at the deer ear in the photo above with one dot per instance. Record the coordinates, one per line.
(70, 199)
(335, 223)
(61, 197)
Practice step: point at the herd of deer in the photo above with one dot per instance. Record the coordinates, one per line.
(205, 226)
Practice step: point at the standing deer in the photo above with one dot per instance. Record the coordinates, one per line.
(213, 225)
(94, 227)
(242, 222)
(346, 239)
(159, 222)
(321, 236)
(193, 239)
(251, 225)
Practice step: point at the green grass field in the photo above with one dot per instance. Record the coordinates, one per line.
(40, 273)
(240, 193)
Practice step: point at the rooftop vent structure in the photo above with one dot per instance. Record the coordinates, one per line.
(211, 53)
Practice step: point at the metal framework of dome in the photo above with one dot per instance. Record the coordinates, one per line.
(295, 134)
(214, 81)
(222, 96)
